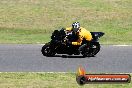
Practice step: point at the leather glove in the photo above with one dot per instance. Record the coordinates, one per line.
(68, 43)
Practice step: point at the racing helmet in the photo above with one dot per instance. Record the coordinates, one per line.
(75, 26)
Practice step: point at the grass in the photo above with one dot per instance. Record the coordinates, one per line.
(48, 80)
(32, 21)
(11, 35)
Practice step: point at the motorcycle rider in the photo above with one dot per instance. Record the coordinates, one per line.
(82, 34)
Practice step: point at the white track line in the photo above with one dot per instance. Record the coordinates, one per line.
(122, 45)
(106, 44)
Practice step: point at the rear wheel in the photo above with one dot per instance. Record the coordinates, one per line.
(91, 50)
(95, 48)
(47, 51)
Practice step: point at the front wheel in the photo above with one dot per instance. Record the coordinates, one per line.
(47, 51)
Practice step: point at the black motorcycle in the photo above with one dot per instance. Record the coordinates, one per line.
(57, 44)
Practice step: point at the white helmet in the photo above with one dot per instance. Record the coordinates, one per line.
(76, 25)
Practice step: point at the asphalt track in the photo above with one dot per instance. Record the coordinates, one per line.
(28, 58)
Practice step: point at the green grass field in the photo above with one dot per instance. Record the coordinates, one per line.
(32, 21)
(48, 80)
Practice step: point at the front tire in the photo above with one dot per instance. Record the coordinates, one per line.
(47, 51)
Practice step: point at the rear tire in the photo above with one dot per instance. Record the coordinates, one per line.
(95, 48)
(92, 50)
(47, 51)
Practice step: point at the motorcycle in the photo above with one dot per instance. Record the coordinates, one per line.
(57, 44)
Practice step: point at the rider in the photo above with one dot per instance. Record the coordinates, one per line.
(81, 32)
